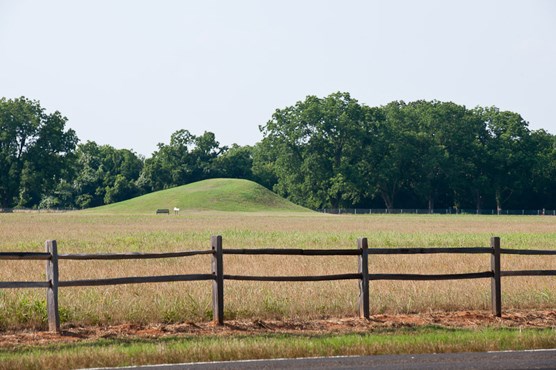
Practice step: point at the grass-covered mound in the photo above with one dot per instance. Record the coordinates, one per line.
(207, 195)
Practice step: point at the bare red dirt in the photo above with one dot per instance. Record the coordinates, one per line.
(462, 319)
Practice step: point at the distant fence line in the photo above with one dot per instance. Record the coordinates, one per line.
(37, 210)
(439, 211)
(360, 211)
(217, 275)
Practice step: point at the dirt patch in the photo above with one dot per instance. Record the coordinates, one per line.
(462, 319)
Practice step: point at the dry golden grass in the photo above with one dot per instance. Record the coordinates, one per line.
(175, 302)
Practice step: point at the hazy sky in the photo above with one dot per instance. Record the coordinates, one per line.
(130, 73)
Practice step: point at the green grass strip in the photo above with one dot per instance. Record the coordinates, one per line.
(126, 352)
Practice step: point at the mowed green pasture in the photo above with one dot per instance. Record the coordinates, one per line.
(232, 195)
(95, 232)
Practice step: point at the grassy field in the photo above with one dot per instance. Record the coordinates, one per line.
(104, 231)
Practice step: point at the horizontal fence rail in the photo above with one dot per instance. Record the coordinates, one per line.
(136, 280)
(217, 275)
(529, 273)
(295, 252)
(131, 256)
(24, 256)
(294, 278)
(23, 284)
(456, 250)
(432, 277)
(528, 252)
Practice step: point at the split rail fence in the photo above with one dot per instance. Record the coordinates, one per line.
(217, 276)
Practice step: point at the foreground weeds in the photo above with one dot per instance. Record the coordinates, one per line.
(128, 352)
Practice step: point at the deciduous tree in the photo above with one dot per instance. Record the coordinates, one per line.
(35, 149)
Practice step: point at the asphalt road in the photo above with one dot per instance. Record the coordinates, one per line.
(538, 359)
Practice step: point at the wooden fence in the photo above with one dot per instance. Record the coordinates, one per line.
(217, 275)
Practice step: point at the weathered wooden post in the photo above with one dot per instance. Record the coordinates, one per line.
(363, 246)
(218, 283)
(52, 290)
(495, 286)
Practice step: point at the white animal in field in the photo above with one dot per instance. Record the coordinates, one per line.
(176, 210)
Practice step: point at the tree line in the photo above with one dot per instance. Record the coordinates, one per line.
(330, 152)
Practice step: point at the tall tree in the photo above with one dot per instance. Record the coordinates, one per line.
(235, 162)
(542, 191)
(313, 146)
(509, 149)
(105, 174)
(264, 158)
(393, 152)
(187, 158)
(449, 153)
(34, 151)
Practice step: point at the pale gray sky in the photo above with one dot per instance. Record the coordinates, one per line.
(129, 73)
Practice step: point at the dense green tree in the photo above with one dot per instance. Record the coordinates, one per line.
(121, 189)
(105, 174)
(234, 162)
(541, 188)
(428, 175)
(333, 152)
(510, 153)
(393, 153)
(450, 149)
(320, 152)
(313, 145)
(462, 134)
(35, 150)
(263, 169)
(187, 158)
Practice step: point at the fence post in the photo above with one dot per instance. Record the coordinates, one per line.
(218, 283)
(52, 290)
(363, 246)
(495, 286)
